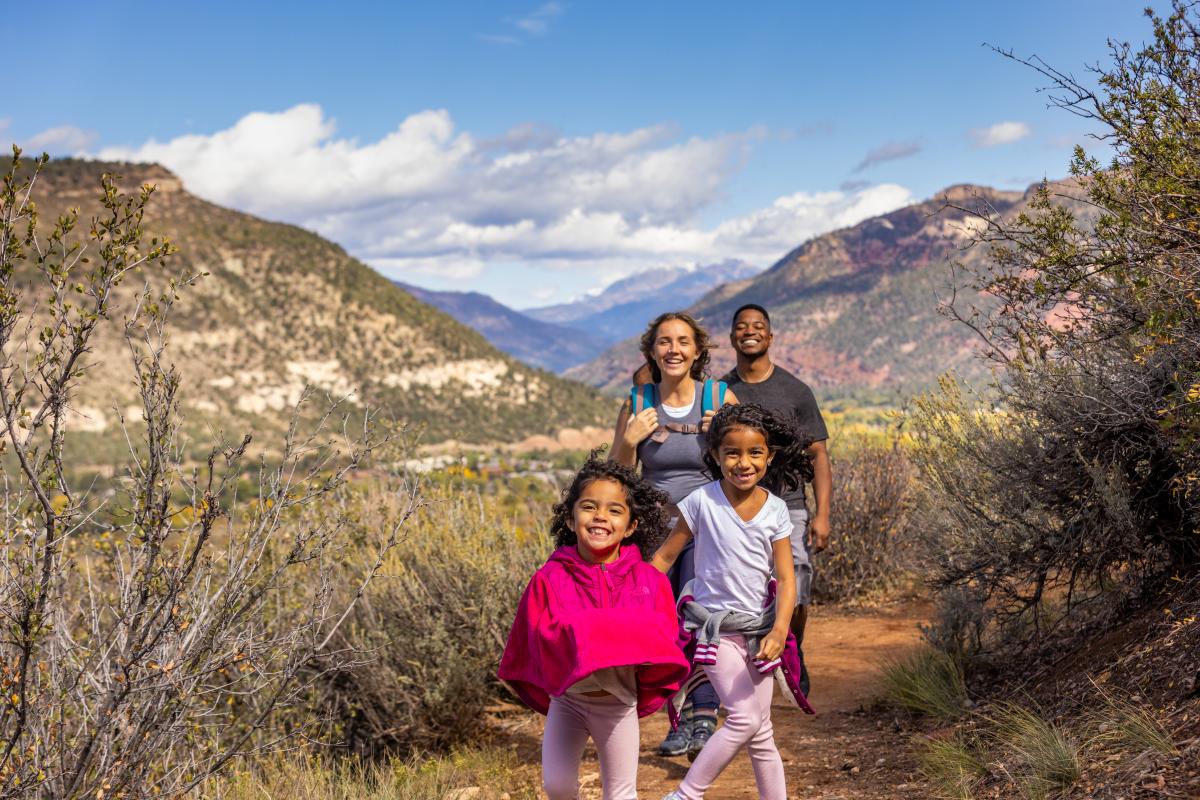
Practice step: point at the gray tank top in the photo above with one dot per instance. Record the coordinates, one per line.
(675, 466)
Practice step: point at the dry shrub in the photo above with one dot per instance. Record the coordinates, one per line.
(959, 624)
(1076, 479)
(871, 501)
(151, 635)
(436, 623)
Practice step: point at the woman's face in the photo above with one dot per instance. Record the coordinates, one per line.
(674, 348)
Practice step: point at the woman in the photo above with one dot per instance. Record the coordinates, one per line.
(668, 439)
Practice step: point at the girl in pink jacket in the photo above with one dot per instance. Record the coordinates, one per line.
(593, 646)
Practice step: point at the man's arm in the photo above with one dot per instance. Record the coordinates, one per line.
(822, 483)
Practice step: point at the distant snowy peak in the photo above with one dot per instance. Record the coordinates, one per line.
(620, 308)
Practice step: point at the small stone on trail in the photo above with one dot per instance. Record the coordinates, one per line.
(879, 762)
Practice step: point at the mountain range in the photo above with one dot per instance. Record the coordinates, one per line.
(281, 308)
(569, 334)
(542, 344)
(855, 311)
(623, 308)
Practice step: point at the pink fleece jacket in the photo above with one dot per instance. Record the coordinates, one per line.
(576, 617)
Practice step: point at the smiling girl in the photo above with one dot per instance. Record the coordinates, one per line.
(593, 646)
(741, 533)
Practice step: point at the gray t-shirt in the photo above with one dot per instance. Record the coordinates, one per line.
(785, 394)
(675, 466)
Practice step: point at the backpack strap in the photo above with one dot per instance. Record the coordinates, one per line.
(712, 397)
(641, 397)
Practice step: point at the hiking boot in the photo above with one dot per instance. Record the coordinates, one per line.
(803, 673)
(702, 730)
(676, 743)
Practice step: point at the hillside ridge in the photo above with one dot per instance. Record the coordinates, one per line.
(281, 308)
(855, 311)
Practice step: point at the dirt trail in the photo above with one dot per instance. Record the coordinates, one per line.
(848, 750)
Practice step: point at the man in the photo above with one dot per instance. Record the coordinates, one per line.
(756, 379)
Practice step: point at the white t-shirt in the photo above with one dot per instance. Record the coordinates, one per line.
(734, 558)
(678, 412)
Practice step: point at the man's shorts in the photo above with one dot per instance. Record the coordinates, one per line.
(801, 555)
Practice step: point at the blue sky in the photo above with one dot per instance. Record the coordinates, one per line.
(535, 151)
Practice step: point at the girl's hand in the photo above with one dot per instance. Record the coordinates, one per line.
(771, 646)
(640, 426)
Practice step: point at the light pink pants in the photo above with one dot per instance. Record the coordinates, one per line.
(612, 725)
(746, 695)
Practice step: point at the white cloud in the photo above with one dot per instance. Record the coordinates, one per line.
(4, 123)
(538, 21)
(1000, 133)
(452, 268)
(64, 139)
(535, 23)
(498, 38)
(769, 232)
(430, 199)
(888, 151)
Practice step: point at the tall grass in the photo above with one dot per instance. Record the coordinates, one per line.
(953, 765)
(467, 775)
(1124, 725)
(1038, 755)
(927, 682)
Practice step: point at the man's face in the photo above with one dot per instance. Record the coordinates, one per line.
(751, 334)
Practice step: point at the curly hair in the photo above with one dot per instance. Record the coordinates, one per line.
(703, 344)
(790, 465)
(647, 505)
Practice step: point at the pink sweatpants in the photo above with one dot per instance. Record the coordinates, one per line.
(746, 695)
(612, 725)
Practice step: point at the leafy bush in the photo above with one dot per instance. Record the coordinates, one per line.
(870, 546)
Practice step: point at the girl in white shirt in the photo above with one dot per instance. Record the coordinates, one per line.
(742, 535)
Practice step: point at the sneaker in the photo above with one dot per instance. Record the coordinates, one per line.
(702, 731)
(676, 743)
(673, 796)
